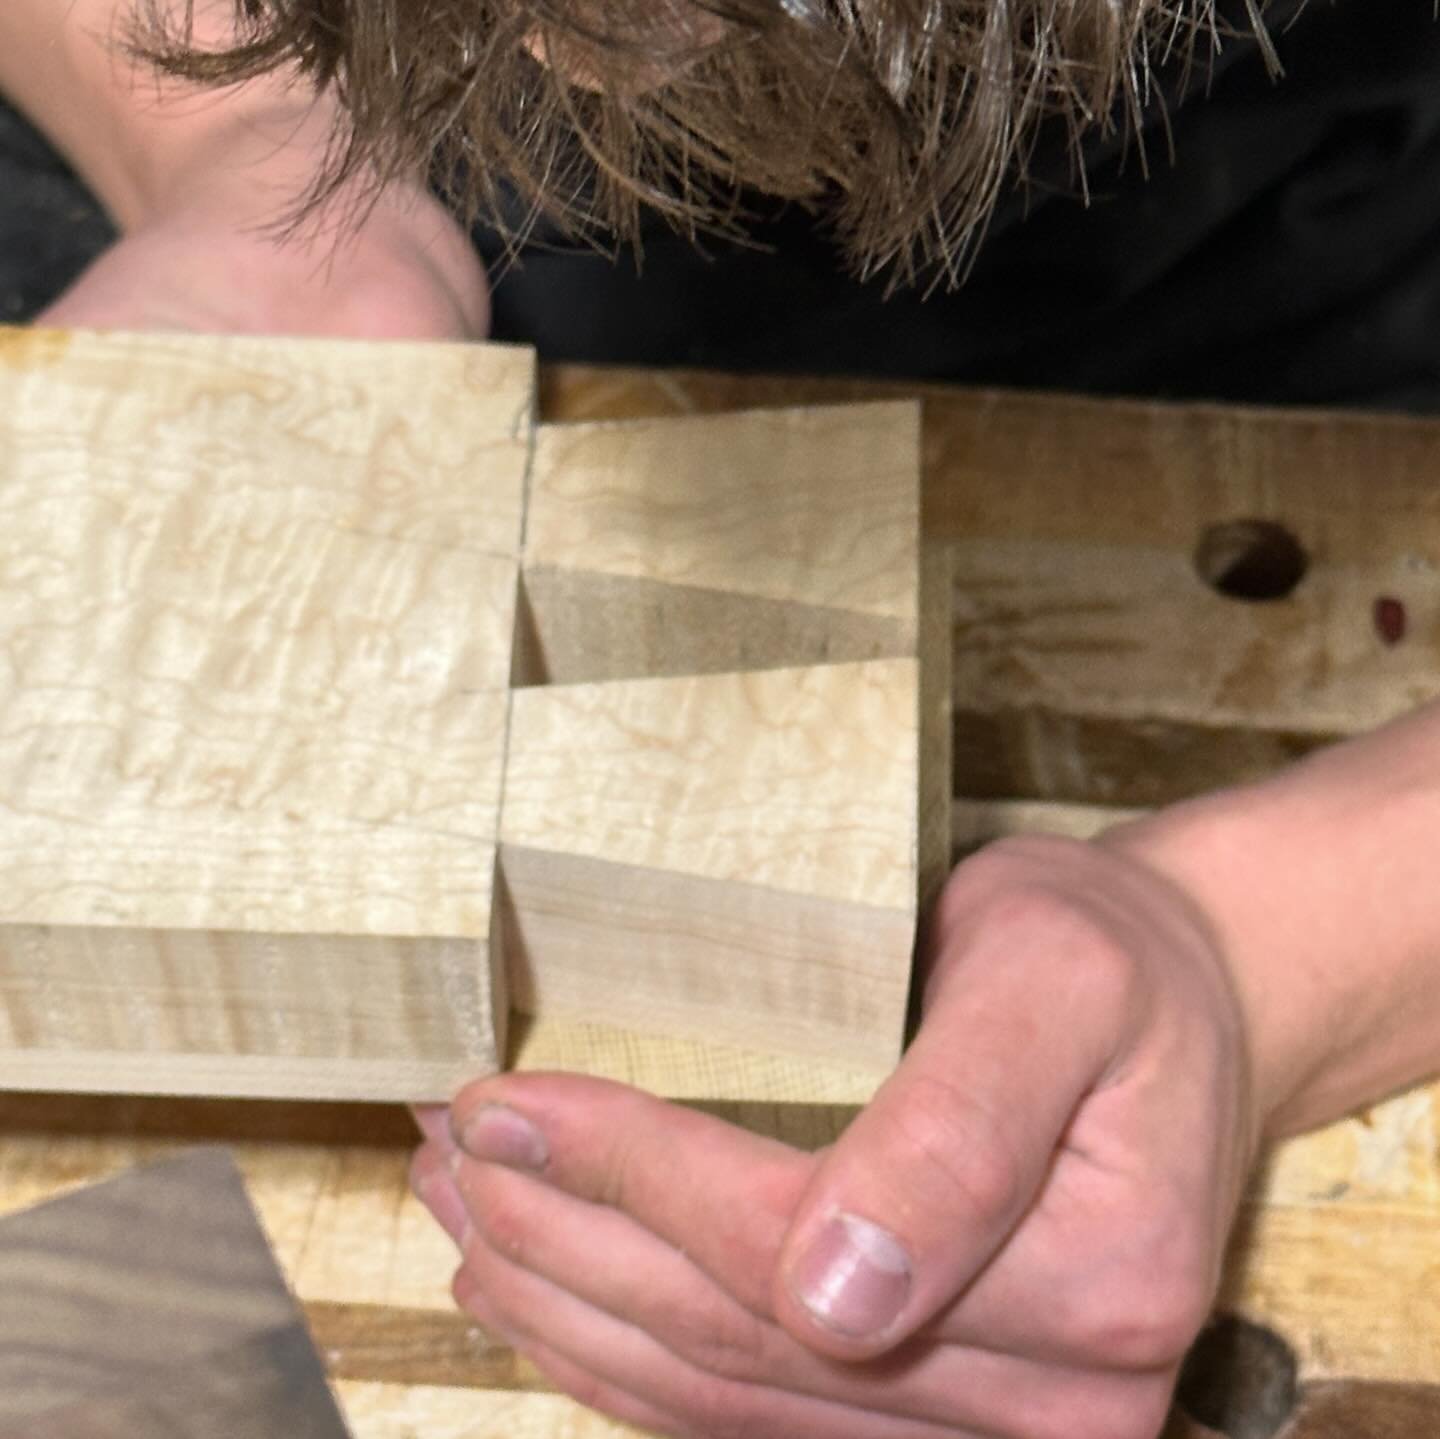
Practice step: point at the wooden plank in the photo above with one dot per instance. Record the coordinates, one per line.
(684, 1068)
(151, 1304)
(256, 610)
(817, 507)
(1093, 663)
(262, 608)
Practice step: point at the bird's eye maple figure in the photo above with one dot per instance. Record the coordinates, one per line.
(1022, 1233)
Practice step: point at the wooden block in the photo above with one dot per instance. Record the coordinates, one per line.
(717, 818)
(271, 614)
(257, 602)
(151, 1305)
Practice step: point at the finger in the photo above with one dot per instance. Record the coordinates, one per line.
(433, 1185)
(571, 1379)
(719, 1194)
(433, 1121)
(923, 1190)
(644, 1282)
(625, 1358)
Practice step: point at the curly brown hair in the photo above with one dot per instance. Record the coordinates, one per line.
(900, 121)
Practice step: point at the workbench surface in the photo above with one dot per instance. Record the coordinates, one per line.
(1068, 713)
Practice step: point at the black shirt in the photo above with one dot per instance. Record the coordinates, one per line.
(1290, 252)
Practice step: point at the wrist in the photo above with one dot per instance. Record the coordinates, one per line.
(1320, 886)
(1217, 852)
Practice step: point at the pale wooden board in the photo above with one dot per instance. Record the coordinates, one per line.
(257, 602)
(730, 741)
(725, 855)
(779, 971)
(261, 610)
(683, 1068)
(804, 780)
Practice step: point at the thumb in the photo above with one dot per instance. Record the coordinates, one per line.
(930, 1180)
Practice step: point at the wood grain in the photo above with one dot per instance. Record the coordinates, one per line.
(151, 1304)
(818, 507)
(726, 855)
(256, 611)
(726, 789)
(1093, 664)
(1366, 1411)
(263, 606)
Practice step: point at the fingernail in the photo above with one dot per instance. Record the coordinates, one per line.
(439, 1194)
(496, 1134)
(854, 1278)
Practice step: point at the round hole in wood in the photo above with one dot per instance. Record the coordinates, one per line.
(1240, 1379)
(1253, 560)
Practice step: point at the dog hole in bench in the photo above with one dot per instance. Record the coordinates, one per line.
(1239, 1379)
(1253, 560)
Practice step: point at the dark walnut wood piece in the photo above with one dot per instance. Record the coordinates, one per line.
(151, 1305)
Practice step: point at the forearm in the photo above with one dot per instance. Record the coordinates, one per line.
(1324, 887)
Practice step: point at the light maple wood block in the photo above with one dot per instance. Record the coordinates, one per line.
(286, 628)
(257, 602)
(727, 790)
(729, 856)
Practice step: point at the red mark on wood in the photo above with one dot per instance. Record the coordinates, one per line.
(1390, 619)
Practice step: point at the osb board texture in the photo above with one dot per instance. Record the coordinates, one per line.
(1336, 1250)
(151, 1304)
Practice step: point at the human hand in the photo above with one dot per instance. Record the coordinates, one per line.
(401, 274)
(1017, 1239)
(210, 243)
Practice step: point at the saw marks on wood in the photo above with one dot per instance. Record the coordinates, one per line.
(151, 1305)
(293, 635)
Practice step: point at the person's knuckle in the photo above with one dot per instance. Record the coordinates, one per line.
(720, 1409)
(1147, 1318)
(624, 1166)
(505, 1224)
(718, 1340)
(947, 1132)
